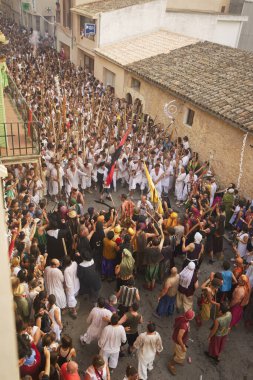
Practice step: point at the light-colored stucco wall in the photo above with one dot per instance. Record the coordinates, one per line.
(101, 64)
(199, 5)
(213, 139)
(246, 38)
(8, 347)
(130, 21)
(223, 29)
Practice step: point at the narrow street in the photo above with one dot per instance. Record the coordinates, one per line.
(236, 361)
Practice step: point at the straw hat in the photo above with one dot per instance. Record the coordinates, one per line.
(117, 229)
(131, 231)
(72, 214)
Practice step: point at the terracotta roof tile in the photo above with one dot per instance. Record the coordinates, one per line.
(217, 78)
(94, 7)
(144, 46)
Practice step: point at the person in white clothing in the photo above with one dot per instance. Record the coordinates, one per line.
(54, 283)
(110, 341)
(180, 185)
(144, 205)
(98, 370)
(54, 313)
(157, 175)
(213, 189)
(242, 238)
(167, 180)
(98, 319)
(190, 179)
(73, 178)
(147, 344)
(72, 284)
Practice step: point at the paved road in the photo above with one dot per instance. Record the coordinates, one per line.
(237, 359)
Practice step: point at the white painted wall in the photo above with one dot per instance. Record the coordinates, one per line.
(199, 5)
(223, 29)
(246, 38)
(130, 21)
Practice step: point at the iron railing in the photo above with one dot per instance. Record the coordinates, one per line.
(19, 139)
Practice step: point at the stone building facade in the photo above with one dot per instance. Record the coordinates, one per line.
(212, 88)
(214, 139)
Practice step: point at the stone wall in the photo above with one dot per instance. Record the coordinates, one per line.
(212, 138)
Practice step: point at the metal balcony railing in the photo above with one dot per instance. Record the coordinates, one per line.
(19, 138)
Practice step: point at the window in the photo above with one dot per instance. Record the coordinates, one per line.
(38, 23)
(189, 117)
(89, 63)
(223, 8)
(109, 78)
(46, 23)
(86, 20)
(58, 12)
(66, 13)
(135, 84)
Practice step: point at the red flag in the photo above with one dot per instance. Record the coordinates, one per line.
(116, 155)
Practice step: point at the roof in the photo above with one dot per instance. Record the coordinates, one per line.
(216, 78)
(94, 7)
(144, 46)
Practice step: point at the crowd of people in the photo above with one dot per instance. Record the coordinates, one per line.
(62, 248)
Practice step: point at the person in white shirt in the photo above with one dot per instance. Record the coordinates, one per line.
(72, 284)
(110, 341)
(147, 344)
(54, 283)
(157, 175)
(212, 191)
(98, 319)
(144, 205)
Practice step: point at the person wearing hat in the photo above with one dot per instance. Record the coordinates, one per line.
(180, 337)
(193, 250)
(117, 231)
(188, 283)
(110, 248)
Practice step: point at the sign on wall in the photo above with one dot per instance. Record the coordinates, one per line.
(89, 29)
(26, 7)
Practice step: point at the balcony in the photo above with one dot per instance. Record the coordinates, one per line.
(19, 136)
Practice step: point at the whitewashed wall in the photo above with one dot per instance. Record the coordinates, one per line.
(131, 21)
(222, 29)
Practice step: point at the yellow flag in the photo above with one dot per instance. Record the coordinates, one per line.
(154, 197)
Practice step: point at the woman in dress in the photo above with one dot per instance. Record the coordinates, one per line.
(240, 299)
(98, 370)
(55, 316)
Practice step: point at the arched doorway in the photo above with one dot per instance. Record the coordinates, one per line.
(129, 98)
(138, 105)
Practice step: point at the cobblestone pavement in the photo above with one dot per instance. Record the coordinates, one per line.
(237, 359)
